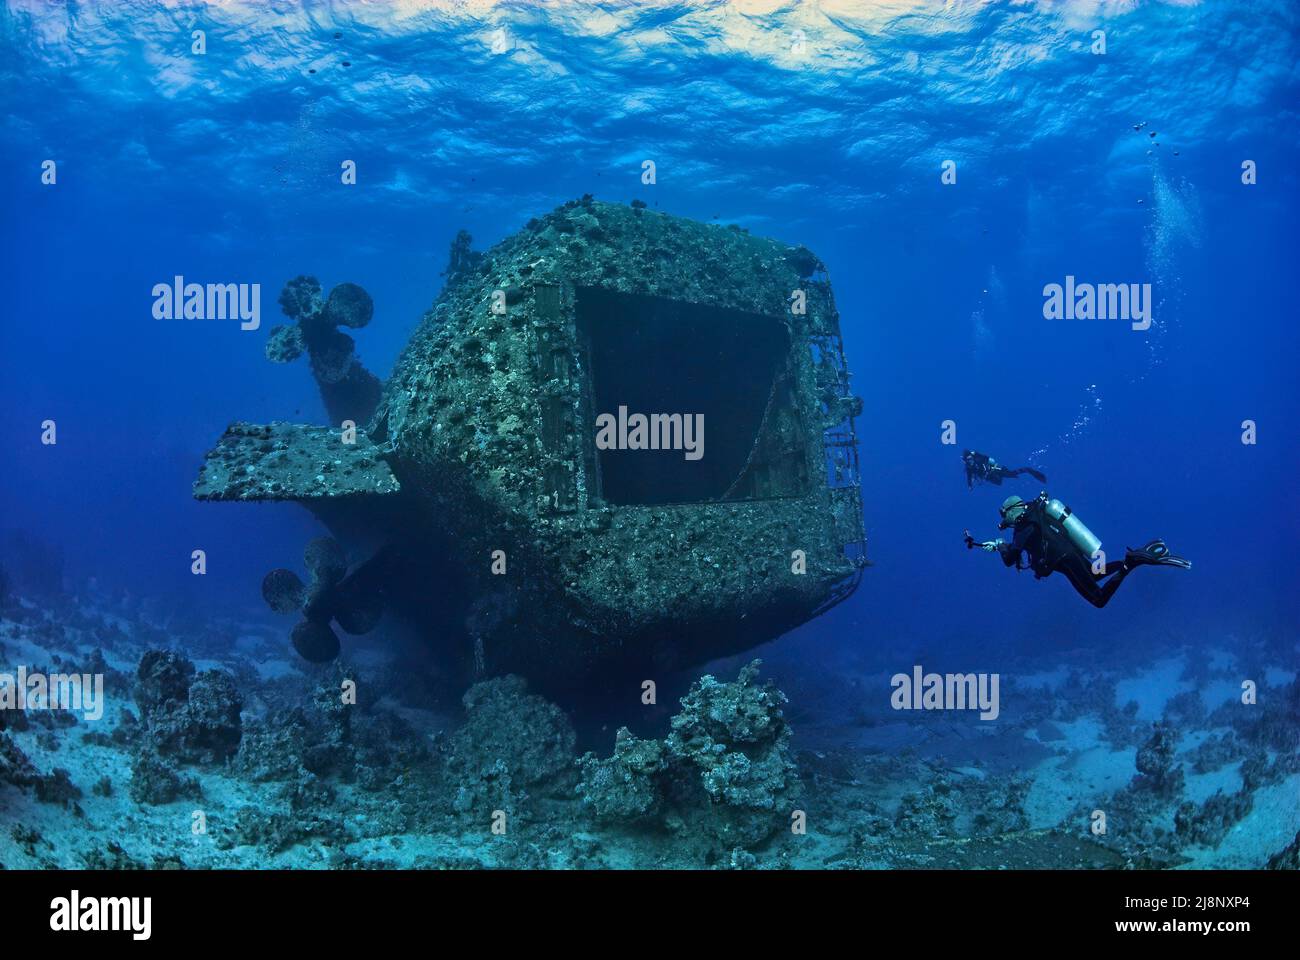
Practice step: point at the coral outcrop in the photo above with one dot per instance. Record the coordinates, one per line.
(1156, 765)
(155, 781)
(513, 745)
(725, 768)
(17, 768)
(629, 786)
(187, 717)
(1208, 823)
(1287, 858)
(461, 258)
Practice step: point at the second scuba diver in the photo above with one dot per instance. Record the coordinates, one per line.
(1055, 541)
(982, 467)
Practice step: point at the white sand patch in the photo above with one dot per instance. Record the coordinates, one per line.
(1062, 783)
(1199, 787)
(274, 669)
(1218, 692)
(1153, 688)
(1085, 769)
(1271, 824)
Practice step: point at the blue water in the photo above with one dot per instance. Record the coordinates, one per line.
(225, 167)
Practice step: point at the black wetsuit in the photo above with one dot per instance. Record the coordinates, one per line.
(980, 466)
(1048, 556)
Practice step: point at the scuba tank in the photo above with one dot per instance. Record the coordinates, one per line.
(1063, 521)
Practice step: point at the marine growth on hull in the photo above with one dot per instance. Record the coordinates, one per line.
(630, 434)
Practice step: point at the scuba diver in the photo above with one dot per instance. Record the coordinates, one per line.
(980, 466)
(1056, 541)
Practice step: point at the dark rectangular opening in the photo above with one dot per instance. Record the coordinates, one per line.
(656, 357)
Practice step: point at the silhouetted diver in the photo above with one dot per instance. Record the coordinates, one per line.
(980, 466)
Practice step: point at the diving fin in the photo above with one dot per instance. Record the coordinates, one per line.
(1156, 553)
(1036, 474)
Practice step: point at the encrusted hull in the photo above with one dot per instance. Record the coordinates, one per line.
(581, 560)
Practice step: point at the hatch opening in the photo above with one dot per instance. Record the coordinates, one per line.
(682, 366)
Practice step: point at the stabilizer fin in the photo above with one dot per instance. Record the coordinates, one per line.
(292, 461)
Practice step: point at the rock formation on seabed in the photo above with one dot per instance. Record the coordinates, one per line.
(724, 772)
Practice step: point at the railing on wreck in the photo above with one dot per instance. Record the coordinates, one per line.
(840, 450)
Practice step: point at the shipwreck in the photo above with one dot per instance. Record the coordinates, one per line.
(468, 494)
